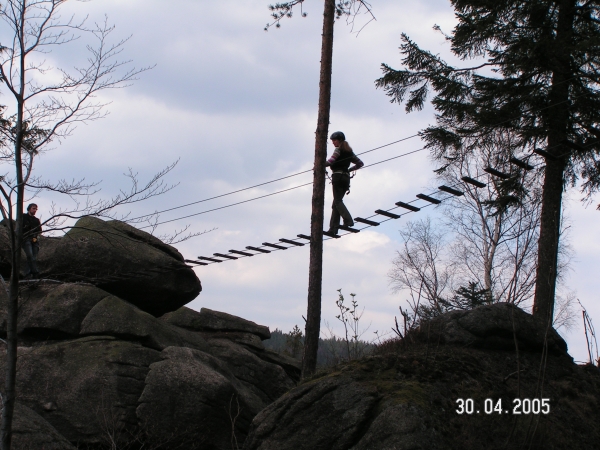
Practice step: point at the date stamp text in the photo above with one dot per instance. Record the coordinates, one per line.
(491, 406)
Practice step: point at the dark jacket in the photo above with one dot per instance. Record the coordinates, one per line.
(340, 161)
(31, 226)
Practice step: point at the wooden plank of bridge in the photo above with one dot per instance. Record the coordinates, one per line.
(367, 221)
(222, 255)
(278, 247)
(289, 241)
(435, 201)
(574, 145)
(237, 252)
(303, 236)
(474, 182)
(350, 229)
(407, 206)
(205, 258)
(195, 262)
(256, 249)
(496, 173)
(450, 190)
(520, 163)
(381, 212)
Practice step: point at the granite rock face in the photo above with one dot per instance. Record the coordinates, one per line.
(124, 261)
(115, 317)
(192, 399)
(340, 408)
(132, 376)
(494, 326)
(118, 258)
(209, 320)
(84, 387)
(267, 380)
(31, 431)
(52, 310)
(340, 413)
(407, 396)
(98, 369)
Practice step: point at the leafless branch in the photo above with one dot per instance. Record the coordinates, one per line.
(343, 8)
(496, 226)
(420, 268)
(176, 237)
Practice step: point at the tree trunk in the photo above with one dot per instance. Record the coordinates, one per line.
(490, 254)
(558, 121)
(545, 285)
(315, 271)
(11, 352)
(16, 241)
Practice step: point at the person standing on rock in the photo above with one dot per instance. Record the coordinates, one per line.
(339, 163)
(31, 231)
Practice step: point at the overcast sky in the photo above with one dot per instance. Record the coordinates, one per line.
(237, 106)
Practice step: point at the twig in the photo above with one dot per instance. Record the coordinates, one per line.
(587, 325)
(234, 442)
(512, 374)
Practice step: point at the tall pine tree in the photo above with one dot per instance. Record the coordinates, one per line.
(536, 75)
(331, 10)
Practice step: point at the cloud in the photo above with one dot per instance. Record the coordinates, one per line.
(237, 107)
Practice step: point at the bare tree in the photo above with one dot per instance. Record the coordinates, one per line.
(490, 245)
(422, 269)
(45, 105)
(565, 314)
(590, 336)
(496, 227)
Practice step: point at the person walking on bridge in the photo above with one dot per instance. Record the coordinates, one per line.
(339, 163)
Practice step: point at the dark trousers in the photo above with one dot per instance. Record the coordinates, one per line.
(340, 183)
(31, 250)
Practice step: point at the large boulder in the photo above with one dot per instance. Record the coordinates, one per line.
(194, 401)
(209, 320)
(203, 391)
(31, 431)
(292, 366)
(115, 317)
(49, 310)
(266, 380)
(122, 260)
(99, 366)
(449, 387)
(329, 415)
(88, 389)
(409, 400)
(218, 327)
(249, 340)
(495, 326)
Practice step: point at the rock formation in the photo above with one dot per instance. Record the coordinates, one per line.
(407, 395)
(30, 431)
(96, 365)
(110, 358)
(118, 258)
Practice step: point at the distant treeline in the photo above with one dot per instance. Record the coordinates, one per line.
(331, 351)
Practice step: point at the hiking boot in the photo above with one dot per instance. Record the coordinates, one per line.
(333, 233)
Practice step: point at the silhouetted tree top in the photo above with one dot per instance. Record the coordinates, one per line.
(514, 83)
